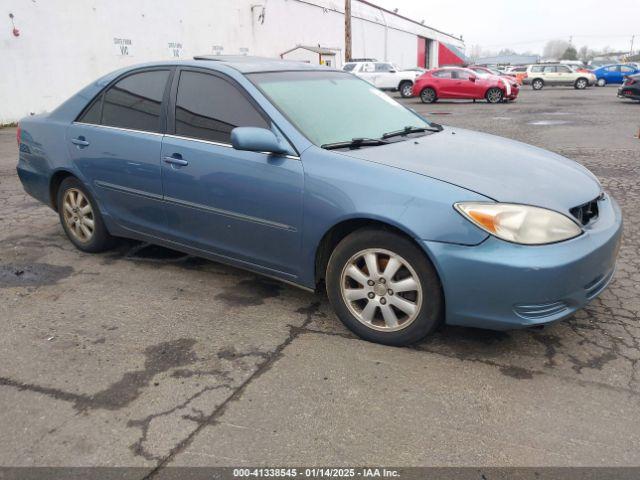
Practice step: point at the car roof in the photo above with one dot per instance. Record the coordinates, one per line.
(242, 63)
(251, 64)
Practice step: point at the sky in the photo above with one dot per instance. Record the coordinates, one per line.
(523, 25)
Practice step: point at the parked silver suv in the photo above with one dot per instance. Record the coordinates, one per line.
(539, 76)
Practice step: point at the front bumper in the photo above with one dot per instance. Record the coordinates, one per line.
(501, 285)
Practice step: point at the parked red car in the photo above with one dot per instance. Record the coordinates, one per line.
(462, 83)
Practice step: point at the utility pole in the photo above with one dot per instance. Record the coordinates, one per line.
(347, 30)
(633, 37)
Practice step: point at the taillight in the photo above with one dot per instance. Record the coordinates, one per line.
(18, 134)
(630, 81)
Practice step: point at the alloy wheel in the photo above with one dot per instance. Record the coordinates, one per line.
(494, 95)
(78, 215)
(381, 289)
(406, 90)
(427, 95)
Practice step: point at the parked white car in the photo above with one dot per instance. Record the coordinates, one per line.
(385, 76)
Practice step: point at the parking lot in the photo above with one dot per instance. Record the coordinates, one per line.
(146, 357)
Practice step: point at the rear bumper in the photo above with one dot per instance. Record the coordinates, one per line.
(500, 285)
(628, 92)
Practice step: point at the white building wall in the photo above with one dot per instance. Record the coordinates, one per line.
(65, 44)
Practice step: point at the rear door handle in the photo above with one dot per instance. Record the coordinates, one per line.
(80, 141)
(175, 160)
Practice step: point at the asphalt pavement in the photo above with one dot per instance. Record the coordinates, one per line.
(146, 357)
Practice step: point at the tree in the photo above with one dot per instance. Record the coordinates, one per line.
(554, 49)
(570, 53)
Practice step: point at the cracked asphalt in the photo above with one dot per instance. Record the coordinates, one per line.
(145, 357)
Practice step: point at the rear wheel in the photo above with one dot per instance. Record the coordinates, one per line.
(428, 95)
(80, 217)
(384, 288)
(406, 89)
(581, 84)
(601, 82)
(494, 95)
(537, 84)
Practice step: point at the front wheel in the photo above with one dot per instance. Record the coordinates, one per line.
(581, 84)
(601, 82)
(406, 89)
(80, 217)
(428, 95)
(384, 288)
(494, 95)
(537, 84)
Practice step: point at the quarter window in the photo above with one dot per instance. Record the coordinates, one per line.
(135, 101)
(209, 107)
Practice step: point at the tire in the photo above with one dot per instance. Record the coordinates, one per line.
(537, 84)
(406, 89)
(601, 82)
(428, 95)
(581, 84)
(494, 95)
(80, 217)
(375, 312)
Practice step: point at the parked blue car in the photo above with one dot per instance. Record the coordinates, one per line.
(314, 177)
(613, 74)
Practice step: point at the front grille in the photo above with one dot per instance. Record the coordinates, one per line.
(587, 212)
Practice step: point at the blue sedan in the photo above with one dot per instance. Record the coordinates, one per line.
(316, 178)
(614, 74)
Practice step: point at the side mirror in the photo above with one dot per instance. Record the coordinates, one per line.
(472, 79)
(392, 71)
(254, 139)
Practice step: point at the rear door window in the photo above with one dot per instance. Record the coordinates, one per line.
(135, 101)
(209, 107)
(442, 74)
(383, 67)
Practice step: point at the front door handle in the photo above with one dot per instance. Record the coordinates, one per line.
(176, 160)
(80, 141)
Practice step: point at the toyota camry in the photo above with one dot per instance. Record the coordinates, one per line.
(314, 177)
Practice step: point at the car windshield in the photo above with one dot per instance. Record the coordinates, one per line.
(329, 107)
(349, 67)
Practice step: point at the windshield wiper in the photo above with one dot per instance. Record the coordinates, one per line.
(355, 143)
(407, 130)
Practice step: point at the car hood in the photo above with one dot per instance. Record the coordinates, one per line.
(501, 169)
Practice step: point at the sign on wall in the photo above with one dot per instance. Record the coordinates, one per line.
(175, 49)
(217, 49)
(123, 47)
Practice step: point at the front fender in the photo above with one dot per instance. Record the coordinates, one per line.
(339, 188)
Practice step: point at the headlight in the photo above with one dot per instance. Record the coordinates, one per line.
(520, 223)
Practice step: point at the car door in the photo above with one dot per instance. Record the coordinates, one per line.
(444, 83)
(242, 205)
(550, 75)
(384, 78)
(626, 70)
(612, 74)
(565, 75)
(466, 84)
(115, 144)
(368, 72)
